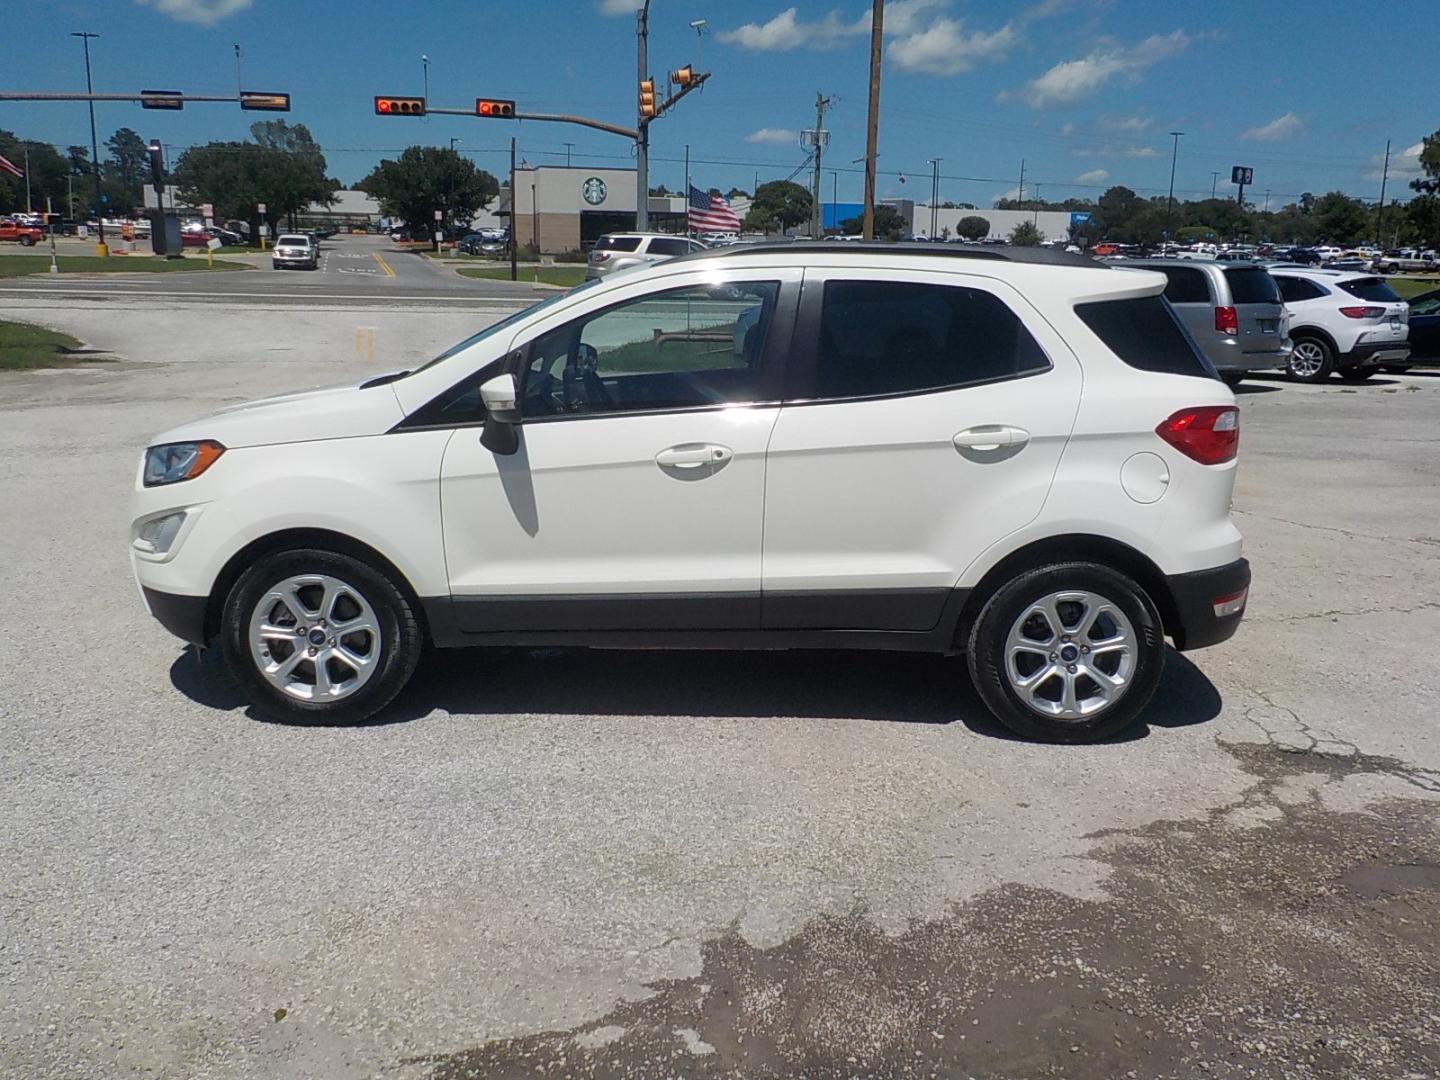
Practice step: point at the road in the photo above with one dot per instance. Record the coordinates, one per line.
(663, 863)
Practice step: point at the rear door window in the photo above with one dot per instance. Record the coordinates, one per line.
(1293, 289)
(1370, 288)
(1144, 333)
(1185, 286)
(1251, 285)
(617, 243)
(665, 246)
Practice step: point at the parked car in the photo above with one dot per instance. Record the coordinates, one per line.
(1394, 262)
(1300, 255)
(1232, 310)
(1341, 321)
(295, 249)
(908, 434)
(621, 251)
(1353, 265)
(24, 234)
(324, 233)
(1424, 331)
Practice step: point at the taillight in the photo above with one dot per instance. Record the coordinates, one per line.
(1209, 434)
(1362, 312)
(1227, 321)
(599, 256)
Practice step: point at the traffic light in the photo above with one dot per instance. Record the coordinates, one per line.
(262, 102)
(161, 99)
(399, 106)
(499, 110)
(647, 98)
(683, 77)
(157, 163)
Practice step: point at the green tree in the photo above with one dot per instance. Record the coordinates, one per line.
(1430, 162)
(48, 172)
(426, 179)
(1423, 215)
(128, 166)
(889, 225)
(777, 206)
(1026, 234)
(1340, 219)
(972, 227)
(283, 168)
(1118, 211)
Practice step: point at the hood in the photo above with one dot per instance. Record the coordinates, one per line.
(337, 412)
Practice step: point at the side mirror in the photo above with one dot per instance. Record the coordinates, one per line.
(502, 414)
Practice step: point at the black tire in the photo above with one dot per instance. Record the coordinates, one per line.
(987, 645)
(1316, 349)
(400, 646)
(27, 241)
(1357, 373)
(1233, 379)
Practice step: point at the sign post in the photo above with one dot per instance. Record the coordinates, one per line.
(260, 209)
(1241, 175)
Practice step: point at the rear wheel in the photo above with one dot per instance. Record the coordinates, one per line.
(1311, 360)
(313, 636)
(1069, 652)
(27, 241)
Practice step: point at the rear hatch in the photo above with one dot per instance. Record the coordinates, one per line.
(1259, 312)
(1378, 307)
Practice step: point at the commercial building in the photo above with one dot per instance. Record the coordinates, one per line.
(1053, 224)
(560, 208)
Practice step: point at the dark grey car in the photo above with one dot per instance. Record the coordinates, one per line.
(1233, 311)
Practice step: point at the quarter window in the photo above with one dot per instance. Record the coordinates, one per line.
(683, 348)
(1293, 290)
(886, 337)
(665, 246)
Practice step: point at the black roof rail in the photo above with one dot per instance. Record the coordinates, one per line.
(938, 249)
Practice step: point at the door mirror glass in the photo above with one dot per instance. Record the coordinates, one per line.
(499, 398)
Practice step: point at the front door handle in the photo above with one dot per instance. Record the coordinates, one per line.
(991, 437)
(694, 457)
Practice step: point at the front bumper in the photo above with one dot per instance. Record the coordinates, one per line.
(1199, 594)
(183, 616)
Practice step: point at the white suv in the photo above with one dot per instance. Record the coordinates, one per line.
(798, 446)
(622, 251)
(1343, 321)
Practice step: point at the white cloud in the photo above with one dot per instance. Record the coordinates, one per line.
(198, 11)
(773, 135)
(903, 16)
(1094, 176)
(617, 7)
(1013, 193)
(1126, 123)
(1111, 150)
(1071, 80)
(1277, 130)
(944, 48)
(786, 31)
(1404, 165)
(1067, 128)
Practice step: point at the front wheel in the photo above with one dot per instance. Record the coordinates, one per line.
(27, 241)
(1311, 361)
(1070, 652)
(313, 636)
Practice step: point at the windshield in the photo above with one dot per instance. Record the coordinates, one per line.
(296, 241)
(505, 324)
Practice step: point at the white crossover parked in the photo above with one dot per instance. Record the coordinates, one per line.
(1344, 321)
(798, 446)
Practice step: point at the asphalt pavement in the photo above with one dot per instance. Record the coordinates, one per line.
(666, 863)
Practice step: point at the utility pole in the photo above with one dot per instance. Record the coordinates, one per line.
(1035, 208)
(1214, 179)
(100, 248)
(1380, 210)
(816, 140)
(642, 127)
(1170, 199)
(568, 147)
(28, 209)
(872, 132)
(1020, 192)
(514, 271)
(934, 195)
(1267, 200)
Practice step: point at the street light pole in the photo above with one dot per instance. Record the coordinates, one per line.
(100, 248)
(934, 194)
(425, 65)
(1170, 199)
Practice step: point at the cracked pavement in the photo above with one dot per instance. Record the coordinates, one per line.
(655, 864)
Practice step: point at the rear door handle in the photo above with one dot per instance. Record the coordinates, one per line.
(991, 437)
(691, 456)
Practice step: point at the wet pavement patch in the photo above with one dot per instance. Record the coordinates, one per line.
(1274, 938)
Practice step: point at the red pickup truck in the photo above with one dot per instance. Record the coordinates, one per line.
(28, 235)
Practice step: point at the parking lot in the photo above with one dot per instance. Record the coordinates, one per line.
(659, 863)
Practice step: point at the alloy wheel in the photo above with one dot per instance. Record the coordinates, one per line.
(315, 638)
(1070, 655)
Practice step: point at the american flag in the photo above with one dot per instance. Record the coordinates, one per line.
(711, 213)
(8, 166)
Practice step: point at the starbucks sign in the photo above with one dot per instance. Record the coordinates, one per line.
(594, 191)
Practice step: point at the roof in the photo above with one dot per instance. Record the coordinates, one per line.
(864, 249)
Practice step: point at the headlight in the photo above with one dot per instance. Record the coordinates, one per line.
(173, 462)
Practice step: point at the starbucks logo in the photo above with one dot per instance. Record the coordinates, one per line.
(594, 191)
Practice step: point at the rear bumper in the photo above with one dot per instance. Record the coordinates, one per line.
(1196, 596)
(1234, 359)
(1377, 352)
(183, 616)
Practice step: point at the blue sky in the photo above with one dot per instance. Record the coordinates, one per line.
(1084, 91)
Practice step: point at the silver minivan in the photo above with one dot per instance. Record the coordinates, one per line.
(1232, 310)
(620, 251)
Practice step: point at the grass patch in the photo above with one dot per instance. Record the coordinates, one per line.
(549, 275)
(24, 347)
(1406, 287)
(19, 265)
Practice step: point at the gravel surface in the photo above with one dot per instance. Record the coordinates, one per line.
(627, 863)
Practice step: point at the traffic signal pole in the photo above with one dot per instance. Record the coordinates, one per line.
(642, 125)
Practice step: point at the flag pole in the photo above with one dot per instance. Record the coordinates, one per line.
(687, 189)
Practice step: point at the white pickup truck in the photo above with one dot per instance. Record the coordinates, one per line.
(1405, 259)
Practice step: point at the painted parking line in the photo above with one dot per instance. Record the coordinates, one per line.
(383, 264)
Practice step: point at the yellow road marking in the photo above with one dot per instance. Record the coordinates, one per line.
(383, 264)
